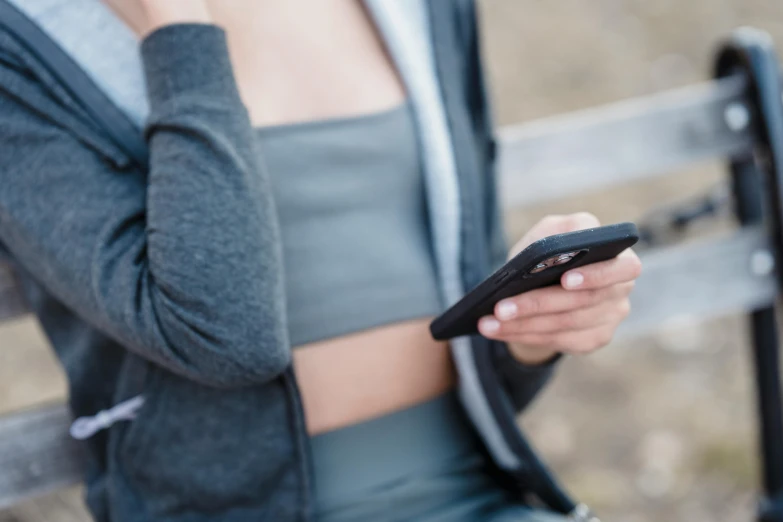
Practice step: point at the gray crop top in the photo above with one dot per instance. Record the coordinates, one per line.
(356, 245)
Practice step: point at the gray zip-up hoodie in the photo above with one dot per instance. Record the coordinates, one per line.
(165, 280)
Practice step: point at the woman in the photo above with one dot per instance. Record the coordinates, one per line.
(319, 188)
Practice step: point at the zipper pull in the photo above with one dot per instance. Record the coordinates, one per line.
(85, 427)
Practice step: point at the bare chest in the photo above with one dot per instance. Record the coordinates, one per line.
(301, 60)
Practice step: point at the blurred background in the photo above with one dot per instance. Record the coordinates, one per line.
(649, 429)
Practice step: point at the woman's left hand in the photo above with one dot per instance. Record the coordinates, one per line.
(578, 316)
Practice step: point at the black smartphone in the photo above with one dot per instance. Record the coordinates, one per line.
(540, 264)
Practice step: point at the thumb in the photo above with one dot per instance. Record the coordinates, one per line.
(554, 224)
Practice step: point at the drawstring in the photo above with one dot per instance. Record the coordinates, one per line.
(85, 427)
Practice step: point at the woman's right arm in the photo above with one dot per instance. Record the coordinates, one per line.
(181, 266)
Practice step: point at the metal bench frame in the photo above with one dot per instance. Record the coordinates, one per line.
(738, 117)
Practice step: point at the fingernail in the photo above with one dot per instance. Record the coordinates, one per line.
(574, 279)
(490, 325)
(506, 310)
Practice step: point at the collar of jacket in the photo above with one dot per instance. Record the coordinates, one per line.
(440, 63)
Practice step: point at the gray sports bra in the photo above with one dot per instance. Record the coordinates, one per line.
(356, 246)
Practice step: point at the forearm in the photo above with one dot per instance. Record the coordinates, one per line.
(179, 263)
(213, 242)
(211, 220)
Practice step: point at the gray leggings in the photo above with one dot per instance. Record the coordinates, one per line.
(422, 464)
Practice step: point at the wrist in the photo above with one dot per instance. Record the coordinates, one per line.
(531, 355)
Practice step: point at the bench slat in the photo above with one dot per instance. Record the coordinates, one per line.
(37, 455)
(698, 280)
(618, 143)
(703, 279)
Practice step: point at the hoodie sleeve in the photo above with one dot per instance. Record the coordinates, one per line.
(180, 264)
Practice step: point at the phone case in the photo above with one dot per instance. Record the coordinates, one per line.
(590, 245)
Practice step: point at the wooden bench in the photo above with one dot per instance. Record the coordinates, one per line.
(542, 160)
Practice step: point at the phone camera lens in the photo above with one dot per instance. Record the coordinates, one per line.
(540, 267)
(564, 258)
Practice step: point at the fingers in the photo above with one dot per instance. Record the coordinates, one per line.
(610, 312)
(578, 316)
(573, 342)
(559, 224)
(625, 267)
(555, 299)
(583, 340)
(581, 319)
(555, 224)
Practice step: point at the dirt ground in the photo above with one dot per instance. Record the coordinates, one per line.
(650, 429)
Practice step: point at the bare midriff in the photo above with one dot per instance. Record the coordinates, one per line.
(298, 61)
(367, 374)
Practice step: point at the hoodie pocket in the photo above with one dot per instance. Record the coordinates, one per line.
(195, 449)
(141, 380)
